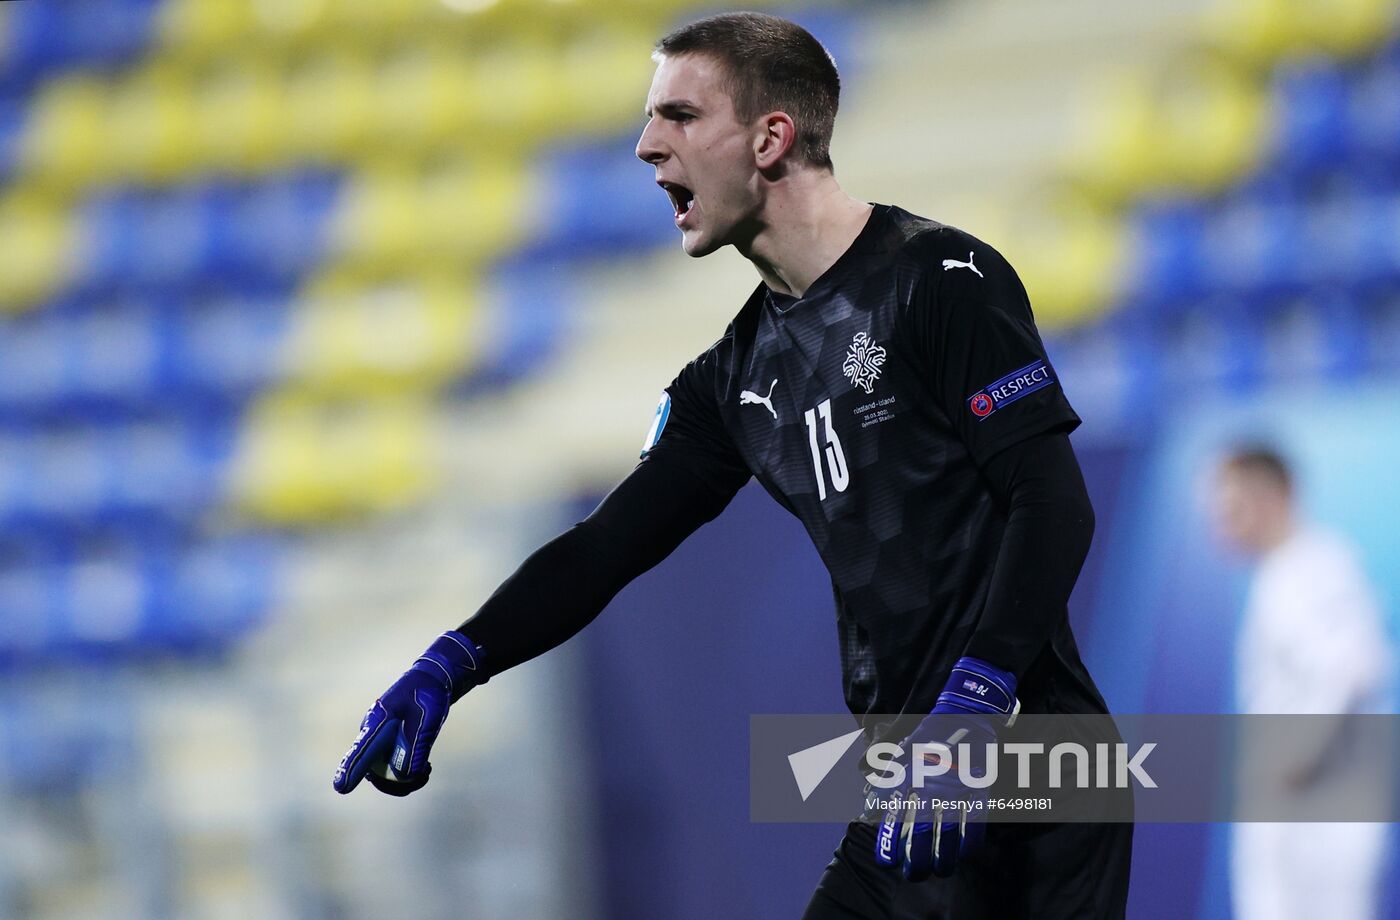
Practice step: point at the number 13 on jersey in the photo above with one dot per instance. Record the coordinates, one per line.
(835, 457)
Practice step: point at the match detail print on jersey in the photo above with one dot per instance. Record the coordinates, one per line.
(1034, 376)
(658, 423)
(835, 456)
(863, 362)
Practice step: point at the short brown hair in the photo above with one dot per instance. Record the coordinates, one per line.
(769, 65)
(1261, 460)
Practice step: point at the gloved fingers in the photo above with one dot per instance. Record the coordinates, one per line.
(974, 830)
(391, 783)
(950, 844)
(920, 842)
(377, 733)
(887, 836)
(421, 725)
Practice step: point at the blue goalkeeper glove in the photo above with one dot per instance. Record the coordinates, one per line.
(398, 732)
(929, 829)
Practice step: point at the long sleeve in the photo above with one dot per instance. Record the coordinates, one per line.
(1049, 525)
(567, 582)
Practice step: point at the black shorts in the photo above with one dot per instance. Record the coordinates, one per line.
(1040, 871)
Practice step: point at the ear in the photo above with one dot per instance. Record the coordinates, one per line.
(776, 136)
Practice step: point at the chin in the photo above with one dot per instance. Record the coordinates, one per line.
(698, 245)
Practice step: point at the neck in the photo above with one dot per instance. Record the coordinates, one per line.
(1281, 529)
(806, 224)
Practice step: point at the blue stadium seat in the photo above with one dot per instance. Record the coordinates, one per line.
(278, 226)
(1211, 346)
(109, 226)
(1312, 132)
(1374, 114)
(1166, 265)
(534, 302)
(61, 741)
(600, 199)
(227, 345)
(144, 474)
(1112, 372)
(32, 352)
(119, 596)
(1253, 248)
(1318, 337)
(256, 233)
(216, 592)
(1350, 240)
(11, 130)
(1381, 315)
(53, 34)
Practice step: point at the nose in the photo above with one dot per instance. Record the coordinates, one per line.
(649, 148)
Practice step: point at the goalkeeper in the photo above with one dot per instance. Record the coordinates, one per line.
(886, 384)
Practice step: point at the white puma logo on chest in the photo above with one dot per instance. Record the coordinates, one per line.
(750, 398)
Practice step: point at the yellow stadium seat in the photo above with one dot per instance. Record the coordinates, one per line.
(605, 80)
(243, 120)
(330, 102)
(1260, 32)
(471, 212)
(1212, 125)
(357, 16)
(1198, 125)
(376, 222)
(36, 257)
(1344, 27)
(65, 140)
(522, 95)
(1256, 31)
(425, 97)
(151, 122)
(408, 335)
(1070, 255)
(201, 27)
(289, 19)
(394, 214)
(302, 462)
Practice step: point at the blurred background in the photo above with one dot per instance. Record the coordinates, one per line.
(316, 316)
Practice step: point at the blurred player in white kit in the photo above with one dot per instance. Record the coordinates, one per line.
(1313, 641)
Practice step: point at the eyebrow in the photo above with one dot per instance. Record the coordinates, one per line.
(671, 107)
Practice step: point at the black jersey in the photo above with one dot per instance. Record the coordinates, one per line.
(865, 408)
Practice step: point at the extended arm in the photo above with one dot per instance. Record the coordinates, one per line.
(556, 592)
(1049, 523)
(567, 582)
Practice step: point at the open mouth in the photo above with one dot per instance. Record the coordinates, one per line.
(682, 198)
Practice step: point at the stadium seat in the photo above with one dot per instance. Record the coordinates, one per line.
(1374, 114)
(198, 27)
(243, 121)
(32, 352)
(228, 346)
(1310, 120)
(37, 256)
(416, 335)
(331, 99)
(64, 140)
(301, 462)
(1319, 336)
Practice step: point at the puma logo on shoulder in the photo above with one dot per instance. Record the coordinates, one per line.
(750, 398)
(954, 263)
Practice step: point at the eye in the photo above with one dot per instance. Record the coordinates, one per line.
(683, 117)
